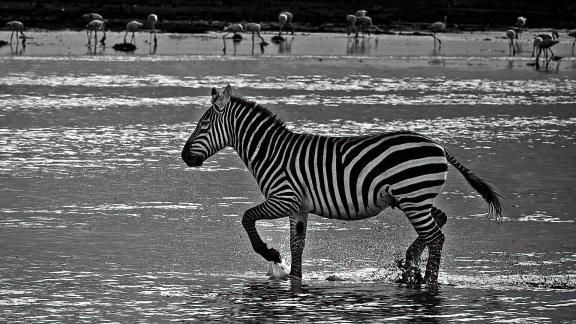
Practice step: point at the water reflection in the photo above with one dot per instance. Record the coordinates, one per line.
(285, 46)
(276, 300)
(18, 49)
(93, 49)
(358, 46)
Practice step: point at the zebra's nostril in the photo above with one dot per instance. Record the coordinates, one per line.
(300, 228)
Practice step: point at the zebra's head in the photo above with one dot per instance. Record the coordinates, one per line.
(210, 135)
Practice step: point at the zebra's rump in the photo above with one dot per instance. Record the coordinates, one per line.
(357, 177)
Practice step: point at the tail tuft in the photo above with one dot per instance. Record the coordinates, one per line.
(487, 191)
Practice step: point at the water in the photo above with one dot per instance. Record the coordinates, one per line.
(100, 220)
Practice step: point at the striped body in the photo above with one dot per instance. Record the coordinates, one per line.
(335, 177)
(349, 177)
(344, 178)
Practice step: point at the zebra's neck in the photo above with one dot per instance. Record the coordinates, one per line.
(256, 133)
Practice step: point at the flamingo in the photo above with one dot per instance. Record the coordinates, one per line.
(512, 35)
(234, 28)
(546, 46)
(285, 19)
(438, 27)
(361, 13)
(351, 24)
(16, 27)
(95, 26)
(520, 22)
(151, 23)
(552, 35)
(132, 27)
(573, 34)
(364, 24)
(92, 16)
(254, 29)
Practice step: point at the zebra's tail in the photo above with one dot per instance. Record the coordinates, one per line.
(485, 190)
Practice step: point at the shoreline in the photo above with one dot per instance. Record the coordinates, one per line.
(204, 26)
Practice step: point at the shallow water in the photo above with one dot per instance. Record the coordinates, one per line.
(101, 221)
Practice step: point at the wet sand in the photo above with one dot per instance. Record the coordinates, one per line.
(100, 220)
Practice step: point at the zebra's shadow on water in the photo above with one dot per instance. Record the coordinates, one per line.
(344, 300)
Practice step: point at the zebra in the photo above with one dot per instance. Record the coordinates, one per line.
(345, 178)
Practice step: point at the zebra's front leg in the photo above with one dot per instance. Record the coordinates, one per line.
(270, 209)
(298, 223)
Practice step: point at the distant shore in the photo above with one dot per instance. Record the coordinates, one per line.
(204, 26)
(196, 16)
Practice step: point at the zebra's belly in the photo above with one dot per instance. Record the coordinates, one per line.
(347, 210)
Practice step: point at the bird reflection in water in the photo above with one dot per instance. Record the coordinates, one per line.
(93, 49)
(261, 46)
(18, 50)
(284, 45)
(360, 46)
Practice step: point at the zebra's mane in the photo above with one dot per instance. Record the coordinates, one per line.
(253, 105)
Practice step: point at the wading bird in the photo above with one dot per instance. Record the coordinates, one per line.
(520, 22)
(132, 27)
(285, 19)
(545, 45)
(254, 29)
(234, 28)
(345, 178)
(361, 13)
(151, 24)
(350, 24)
(551, 35)
(92, 16)
(363, 24)
(512, 36)
(573, 34)
(95, 26)
(16, 27)
(438, 27)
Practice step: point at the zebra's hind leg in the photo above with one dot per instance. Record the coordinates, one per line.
(410, 268)
(427, 220)
(298, 223)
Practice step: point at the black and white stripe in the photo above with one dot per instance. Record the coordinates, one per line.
(345, 178)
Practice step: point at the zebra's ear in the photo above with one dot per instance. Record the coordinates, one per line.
(215, 94)
(226, 94)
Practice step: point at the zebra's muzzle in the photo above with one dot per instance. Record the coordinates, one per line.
(192, 160)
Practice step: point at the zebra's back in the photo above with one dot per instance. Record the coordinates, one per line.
(357, 177)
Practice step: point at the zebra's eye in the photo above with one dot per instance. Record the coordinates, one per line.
(204, 124)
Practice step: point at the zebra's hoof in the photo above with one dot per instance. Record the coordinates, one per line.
(272, 255)
(410, 274)
(278, 270)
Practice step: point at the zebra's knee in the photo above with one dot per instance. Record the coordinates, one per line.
(248, 222)
(439, 216)
(435, 240)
